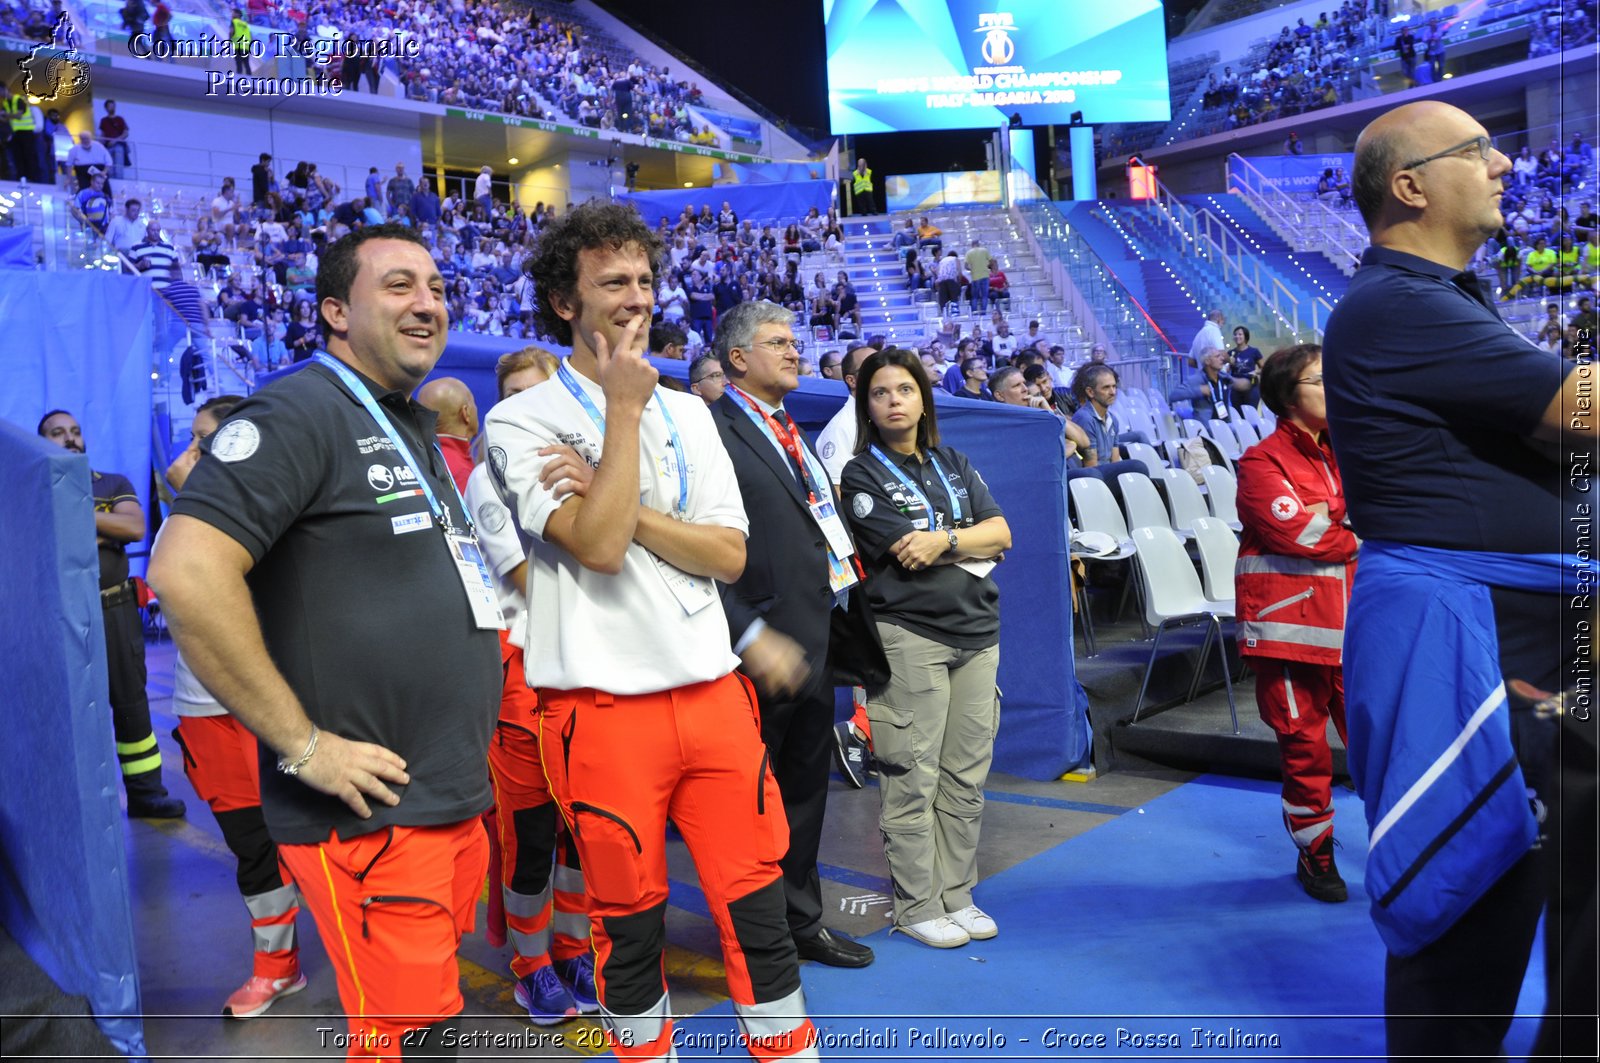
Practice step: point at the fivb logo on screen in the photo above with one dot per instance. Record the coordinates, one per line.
(998, 48)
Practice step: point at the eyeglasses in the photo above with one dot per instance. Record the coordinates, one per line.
(715, 374)
(1314, 381)
(777, 345)
(1484, 145)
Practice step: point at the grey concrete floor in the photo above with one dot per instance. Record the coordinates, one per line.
(193, 936)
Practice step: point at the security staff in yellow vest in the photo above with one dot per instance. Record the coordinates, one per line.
(239, 35)
(865, 198)
(22, 147)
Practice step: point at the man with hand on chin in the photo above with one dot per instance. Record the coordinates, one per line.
(641, 713)
(801, 568)
(318, 576)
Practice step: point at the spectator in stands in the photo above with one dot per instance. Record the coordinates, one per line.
(239, 36)
(847, 307)
(668, 341)
(1209, 337)
(1244, 363)
(268, 351)
(978, 265)
(930, 235)
(302, 337)
(706, 378)
(1524, 167)
(1211, 393)
(1008, 385)
(1002, 345)
(673, 299)
(973, 382)
(88, 154)
(1293, 145)
(92, 202)
(400, 189)
(114, 135)
(904, 239)
(949, 282)
(916, 273)
(482, 190)
(999, 286)
(155, 257)
(134, 14)
(1539, 267)
(1056, 368)
(1095, 389)
(125, 230)
(1037, 378)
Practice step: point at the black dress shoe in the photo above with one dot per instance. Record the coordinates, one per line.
(834, 949)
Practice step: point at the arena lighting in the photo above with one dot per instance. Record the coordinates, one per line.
(512, 161)
(688, 184)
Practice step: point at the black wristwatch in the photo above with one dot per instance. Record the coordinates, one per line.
(951, 535)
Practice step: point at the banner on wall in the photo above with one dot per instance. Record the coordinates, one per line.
(932, 191)
(1292, 173)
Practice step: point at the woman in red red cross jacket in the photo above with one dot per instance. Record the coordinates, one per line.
(1297, 559)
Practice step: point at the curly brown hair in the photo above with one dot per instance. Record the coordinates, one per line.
(588, 227)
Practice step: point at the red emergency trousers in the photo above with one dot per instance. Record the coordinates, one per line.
(619, 765)
(391, 907)
(219, 757)
(1292, 585)
(546, 919)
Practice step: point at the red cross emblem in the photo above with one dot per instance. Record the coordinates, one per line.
(1284, 507)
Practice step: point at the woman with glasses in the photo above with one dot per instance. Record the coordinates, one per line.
(1296, 562)
(928, 533)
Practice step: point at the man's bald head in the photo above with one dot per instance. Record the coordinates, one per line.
(452, 401)
(1411, 131)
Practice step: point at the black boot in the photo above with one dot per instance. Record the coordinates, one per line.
(148, 798)
(1317, 873)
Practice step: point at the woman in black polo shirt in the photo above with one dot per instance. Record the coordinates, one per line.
(928, 533)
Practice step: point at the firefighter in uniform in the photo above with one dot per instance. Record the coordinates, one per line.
(1296, 562)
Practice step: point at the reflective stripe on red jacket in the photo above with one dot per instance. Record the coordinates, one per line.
(1293, 578)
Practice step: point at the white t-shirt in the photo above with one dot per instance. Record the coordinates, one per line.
(189, 698)
(1208, 338)
(503, 548)
(627, 633)
(1003, 346)
(836, 444)
(1060, 375)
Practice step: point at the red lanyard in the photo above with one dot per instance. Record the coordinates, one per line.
(785, 433)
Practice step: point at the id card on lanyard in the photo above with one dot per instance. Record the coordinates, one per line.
(692, 592)
(1219, 399)
(462, 543)
(819, 496)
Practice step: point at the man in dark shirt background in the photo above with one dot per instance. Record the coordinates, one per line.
(1446, 424)
(118, 521)
(311, 587)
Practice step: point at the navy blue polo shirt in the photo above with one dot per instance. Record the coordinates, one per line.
(1430, 399)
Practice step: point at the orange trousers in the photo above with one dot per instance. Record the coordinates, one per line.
(539, 876)
(219, 757)
(391, 907)
(619, 765)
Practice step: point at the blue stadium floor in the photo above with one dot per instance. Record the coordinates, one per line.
(1142, 915)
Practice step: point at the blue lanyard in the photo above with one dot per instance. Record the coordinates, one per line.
(364, 396)
(568, 378)
(910, 485)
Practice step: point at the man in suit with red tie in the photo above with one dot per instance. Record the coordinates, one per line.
(800, 568)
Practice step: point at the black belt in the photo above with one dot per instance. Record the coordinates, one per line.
(113, 596)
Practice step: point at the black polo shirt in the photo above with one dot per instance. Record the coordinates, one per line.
(109, 488)
(357, 593)
(942, 602)
(1430, 396)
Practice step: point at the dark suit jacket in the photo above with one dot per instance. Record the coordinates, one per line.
(785, 577)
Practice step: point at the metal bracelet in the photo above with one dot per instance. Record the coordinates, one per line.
(293, 768)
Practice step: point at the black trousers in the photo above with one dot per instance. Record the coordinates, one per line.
(865, 203)
(137, 753)
(798, 732)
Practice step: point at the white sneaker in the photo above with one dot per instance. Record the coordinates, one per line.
(940, 933)
(976, 922)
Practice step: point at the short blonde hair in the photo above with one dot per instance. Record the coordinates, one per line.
(528, 358)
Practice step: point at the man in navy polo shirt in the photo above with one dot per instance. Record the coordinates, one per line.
(1456, 438)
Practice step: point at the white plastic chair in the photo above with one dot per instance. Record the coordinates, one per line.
(1142, 502)
(1184, 500)
(1193, 429)
(1172, 598)
(1246, 433)
(1146, 455)
(1097, 511)
(1222, 435)
(1222, 489)
(1218, 546)
(1269, 422)
(1252, 415)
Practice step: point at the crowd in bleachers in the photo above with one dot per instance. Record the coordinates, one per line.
(495, 55)
(30, 21)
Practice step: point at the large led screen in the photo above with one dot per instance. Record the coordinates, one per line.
(897, 65)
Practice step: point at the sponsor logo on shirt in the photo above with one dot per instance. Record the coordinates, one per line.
(492, 515)
(861, 506)
(372, 444)
(236, 440)
(411, 522)
(380, 478)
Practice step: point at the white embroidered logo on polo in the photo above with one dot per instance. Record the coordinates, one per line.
(236, 440)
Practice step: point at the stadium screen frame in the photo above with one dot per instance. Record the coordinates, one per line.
(903, 65)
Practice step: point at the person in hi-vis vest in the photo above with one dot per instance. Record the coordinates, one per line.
(865, 199)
